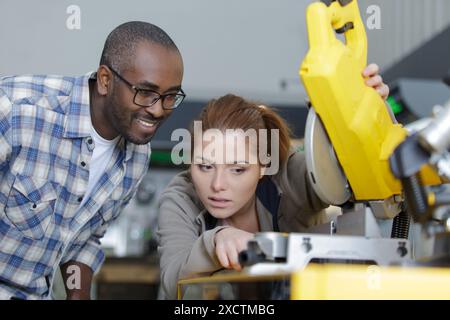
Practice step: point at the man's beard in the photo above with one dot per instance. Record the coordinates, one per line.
(130, 138)
(123, 123)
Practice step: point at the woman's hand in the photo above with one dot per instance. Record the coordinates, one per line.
(375, 80)
(229, 242)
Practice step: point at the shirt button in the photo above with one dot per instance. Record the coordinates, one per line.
(89, 141)
(83, 164)
(34, 206)
(80, 199)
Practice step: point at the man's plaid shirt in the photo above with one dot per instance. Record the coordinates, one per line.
(45, 149)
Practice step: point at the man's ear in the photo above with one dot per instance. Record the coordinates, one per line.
(104, 80)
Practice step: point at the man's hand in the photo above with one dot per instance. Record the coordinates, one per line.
(229, 242)
(77, 279)
(375, 81)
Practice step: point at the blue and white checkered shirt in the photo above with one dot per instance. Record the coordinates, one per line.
(45, 149)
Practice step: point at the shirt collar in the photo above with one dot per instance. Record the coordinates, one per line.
(78, 115)
(128, 147)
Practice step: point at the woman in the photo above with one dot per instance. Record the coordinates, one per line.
(209, 212)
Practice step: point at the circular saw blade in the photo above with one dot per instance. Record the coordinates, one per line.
(324, 171)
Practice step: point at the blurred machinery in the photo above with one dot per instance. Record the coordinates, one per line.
(431, 144)
(133, 233)
(412, 99)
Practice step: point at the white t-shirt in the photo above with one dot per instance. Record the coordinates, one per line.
(101, 155)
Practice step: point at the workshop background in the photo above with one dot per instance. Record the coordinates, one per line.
(252, 48)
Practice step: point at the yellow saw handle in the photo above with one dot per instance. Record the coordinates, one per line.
(354, 115)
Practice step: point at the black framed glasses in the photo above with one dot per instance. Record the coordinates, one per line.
(147, 97)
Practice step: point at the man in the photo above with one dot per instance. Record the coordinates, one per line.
(72, 152)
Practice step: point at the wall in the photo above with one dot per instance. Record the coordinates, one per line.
(248, 47)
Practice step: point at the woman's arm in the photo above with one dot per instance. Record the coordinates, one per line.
(184, 250)
(229, 242)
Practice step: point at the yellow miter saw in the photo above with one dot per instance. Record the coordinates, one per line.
(350, 135)
(353, 145)
(350, 132)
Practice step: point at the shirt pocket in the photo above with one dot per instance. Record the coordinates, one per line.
(30, 205)
(112, 207)
(110, 211)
